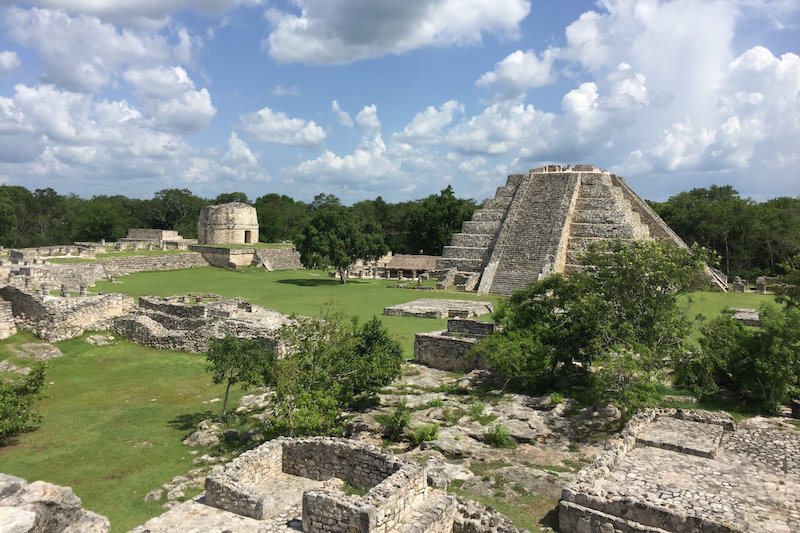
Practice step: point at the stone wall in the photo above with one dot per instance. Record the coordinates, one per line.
(7, 325)
(449, 350)
(394, 488)
(189, 323)
(152, 235)
(57, 318)
(282, 258)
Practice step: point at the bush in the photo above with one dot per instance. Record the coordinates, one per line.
(498, 436)
(394, 425)
(17, 398)
(556, 398)
(423, 433)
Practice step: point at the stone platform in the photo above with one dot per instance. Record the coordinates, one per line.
(674, 470)
(435, 308)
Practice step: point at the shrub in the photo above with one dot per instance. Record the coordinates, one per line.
(556, 398)
(395, 425)
(498, 436)
(423, 433)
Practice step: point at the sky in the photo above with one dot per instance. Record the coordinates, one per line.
(399, 99)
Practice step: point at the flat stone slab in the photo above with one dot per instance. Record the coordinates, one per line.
(194, 517)
(435, 308)
(682, 474)
(693, 438)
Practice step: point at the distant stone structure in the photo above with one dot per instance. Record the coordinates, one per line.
(541, 221)
(676, 470)
(162, 238)
(188, 323)
(231, 223)
(439, 308)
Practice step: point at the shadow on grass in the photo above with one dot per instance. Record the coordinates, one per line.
(321, 282)
(550, 520)
(189, 421)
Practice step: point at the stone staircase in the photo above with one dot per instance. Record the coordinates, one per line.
(601, 212)
(470, 250)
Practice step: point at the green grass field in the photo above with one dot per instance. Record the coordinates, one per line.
(113, 421)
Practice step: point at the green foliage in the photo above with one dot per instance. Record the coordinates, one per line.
(556, 398)
(17, 403)
(555, 329)
(394, 425)
(232, 360)
(333, 237)
(759, 363)
(498, 436)
(625, 381)
(329, 366)
(423, 433)
(435, 219)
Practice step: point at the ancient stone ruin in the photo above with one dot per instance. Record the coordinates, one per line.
(540, 222)
(232, 223)
(322, 484)
(448, 350)
(188, 323)
(439, 308)
(675, 470)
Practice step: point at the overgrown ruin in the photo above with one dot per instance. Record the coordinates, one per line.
(540, 222)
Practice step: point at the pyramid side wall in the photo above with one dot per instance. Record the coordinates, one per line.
(658, 228)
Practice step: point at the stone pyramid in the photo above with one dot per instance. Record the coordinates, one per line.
(541, 221)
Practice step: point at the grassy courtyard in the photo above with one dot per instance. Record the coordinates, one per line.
(114, 416)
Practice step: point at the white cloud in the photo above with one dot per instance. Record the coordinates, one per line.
(168, 96)
(9, 62)
(239, 154)
(271, 126)
(427, 126)
(280, 90)
(82, 53)
(151, 13)
(342, 31)
(367, 121)
(343, 116)
(520, 71)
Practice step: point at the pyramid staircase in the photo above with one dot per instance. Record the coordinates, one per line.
(542, 221)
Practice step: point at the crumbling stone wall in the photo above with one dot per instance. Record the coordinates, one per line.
(449, 350)
(8, 326)
(231, 223)
(281, 258)
(57, 318)
(189, 323)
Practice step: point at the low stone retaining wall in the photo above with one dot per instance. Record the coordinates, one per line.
(281, 258)
(8, 326)
(285, 258)
(57, 318)
(394, 488)
(449, 350)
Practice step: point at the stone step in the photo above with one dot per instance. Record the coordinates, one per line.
(480, 226)
(596, 179)
(598, 191)
(606, 231)
(464, 252)
(472, 239)
(489, 214)
(601, 204)
(459, 263)
(602, 216)
(506, 282)
(435, 514)
(581, 244)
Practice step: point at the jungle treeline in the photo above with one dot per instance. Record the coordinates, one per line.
(751, 238)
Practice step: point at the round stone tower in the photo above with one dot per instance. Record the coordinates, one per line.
(233, 223)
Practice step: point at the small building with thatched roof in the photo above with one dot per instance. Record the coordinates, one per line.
(410, 266)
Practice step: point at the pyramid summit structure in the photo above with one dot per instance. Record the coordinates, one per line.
(540, 222)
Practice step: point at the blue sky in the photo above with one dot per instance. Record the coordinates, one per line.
(362, 98)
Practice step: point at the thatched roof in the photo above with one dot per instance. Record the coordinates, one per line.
(420, 263)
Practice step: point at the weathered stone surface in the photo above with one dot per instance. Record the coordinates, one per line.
(231, 223)
(436, 308)
(690, 471)
(53, 508)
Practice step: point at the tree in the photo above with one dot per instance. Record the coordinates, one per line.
(232, 360)
(329, 366)
(228, 197)
(280, 218)
(435, 219)
(624, 303)
(332, 237)
(17, 403)
(756, 363)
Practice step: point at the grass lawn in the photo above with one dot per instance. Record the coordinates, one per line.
(710, 304)
(113, 421)
(300, 292)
